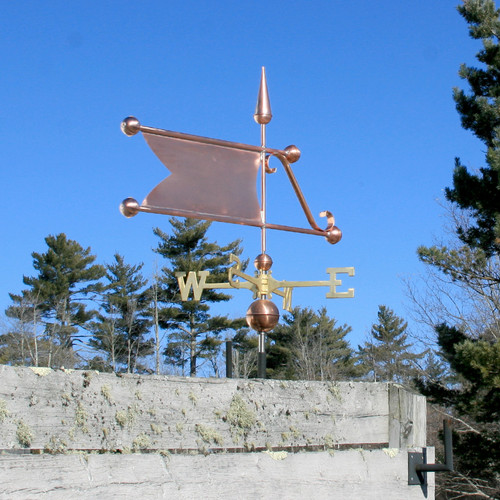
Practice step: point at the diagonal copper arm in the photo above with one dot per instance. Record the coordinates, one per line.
(332, 232)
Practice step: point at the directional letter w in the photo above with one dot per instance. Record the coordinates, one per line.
(185, 285)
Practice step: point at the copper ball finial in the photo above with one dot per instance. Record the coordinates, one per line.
(262, 315)
(334, 235)
(129, 207)
(292, 153)
(263, 262)
(130, 126)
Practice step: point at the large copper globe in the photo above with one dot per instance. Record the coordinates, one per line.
(262, 315)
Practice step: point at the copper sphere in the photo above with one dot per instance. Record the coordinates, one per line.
(263, 262)
(129, 207)
(334, 235)
(292, 153)
(262, 315)
(130, 126)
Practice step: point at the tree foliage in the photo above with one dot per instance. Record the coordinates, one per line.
(67, 277)
(464, 289)
(479, 111)
(310, 345)
(474, 398)
(388, 355)
(195, 333)
(123, 323)
(466, 279)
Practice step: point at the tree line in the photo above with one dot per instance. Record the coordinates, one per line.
(77, 313)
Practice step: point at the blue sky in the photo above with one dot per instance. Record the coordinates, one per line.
(363, 88)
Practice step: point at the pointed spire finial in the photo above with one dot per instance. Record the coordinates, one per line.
(263, 113)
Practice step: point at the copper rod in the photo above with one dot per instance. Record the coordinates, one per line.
(263, 187)
(230, 220)
(292, 229)
(207, 140)
(300, 196)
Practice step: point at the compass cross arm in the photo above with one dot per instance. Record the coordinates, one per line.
(196, 281)
(332, 283)
(287, 297)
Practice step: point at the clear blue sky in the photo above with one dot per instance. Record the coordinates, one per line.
(363, 88)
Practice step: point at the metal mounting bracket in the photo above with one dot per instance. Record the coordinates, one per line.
(417, 462)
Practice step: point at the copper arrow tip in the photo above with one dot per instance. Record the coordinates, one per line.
(263, 113)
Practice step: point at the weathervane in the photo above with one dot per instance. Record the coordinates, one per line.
(212, 179)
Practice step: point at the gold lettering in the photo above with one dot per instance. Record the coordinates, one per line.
(334, 282)
(185, 285)
(287, 299)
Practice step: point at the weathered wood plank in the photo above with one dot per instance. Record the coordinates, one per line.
(407, 418)
(377, 474)
(61, 410)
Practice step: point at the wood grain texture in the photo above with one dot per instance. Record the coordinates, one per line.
(93, 411)
(350, 474)
(203, 438)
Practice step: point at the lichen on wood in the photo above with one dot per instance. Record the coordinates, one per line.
(240, 418)
(209, 435)
(24, 434)
(41, 371)
(157, 429)
(81, 416)
(4, 413)
(106, 392)
(55, 445)
(141, 442)
(127, 418)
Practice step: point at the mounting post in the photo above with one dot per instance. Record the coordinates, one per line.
(261, 356)
(417, 462)
(229, 359)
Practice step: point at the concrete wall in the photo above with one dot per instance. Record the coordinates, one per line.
(173, 437)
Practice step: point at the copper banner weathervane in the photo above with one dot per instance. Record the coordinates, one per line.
(213, 179)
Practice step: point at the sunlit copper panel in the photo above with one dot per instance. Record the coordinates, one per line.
(207, 181)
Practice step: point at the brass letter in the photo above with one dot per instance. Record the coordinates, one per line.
(334, 282)
(185, 285)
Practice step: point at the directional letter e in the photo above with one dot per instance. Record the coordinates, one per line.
(334, 282)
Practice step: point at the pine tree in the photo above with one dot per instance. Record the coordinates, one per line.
(195, 333)
(469, 340)
(480, 112)
(121, 328)
(387, 356)
(474, 399)
(67, 277)
(309, 345)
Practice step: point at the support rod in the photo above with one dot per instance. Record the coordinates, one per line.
(261, 360)
(263, 207)
(229, 359)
